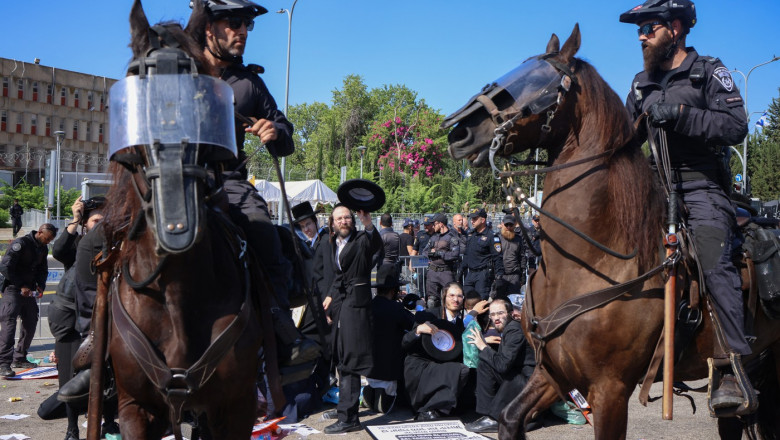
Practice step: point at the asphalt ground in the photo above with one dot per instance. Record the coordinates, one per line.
(643, 423)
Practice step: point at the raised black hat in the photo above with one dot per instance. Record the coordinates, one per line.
(360, 194)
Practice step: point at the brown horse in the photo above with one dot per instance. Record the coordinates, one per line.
(600, 183)
(183, 333)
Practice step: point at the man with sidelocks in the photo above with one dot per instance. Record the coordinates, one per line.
(224, 41)
(693, 101)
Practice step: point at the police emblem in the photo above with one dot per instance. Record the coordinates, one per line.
(497, 243)
(724, 78)
(16, 247)
(637, 92)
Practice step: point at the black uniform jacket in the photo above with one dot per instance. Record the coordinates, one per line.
(715, 116)
(353, 287)
(24, 264)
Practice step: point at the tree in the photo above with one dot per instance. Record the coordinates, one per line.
(764, 156)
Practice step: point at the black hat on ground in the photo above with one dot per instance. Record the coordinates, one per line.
(446, 344)
(387, 277)
(302, 211)
(360, 194)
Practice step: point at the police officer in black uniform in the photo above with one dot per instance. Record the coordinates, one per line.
(224, 41)
(482, 261)
(25, 269)
(443, 251)
(421, 239)
(695, 101)
(513, 253)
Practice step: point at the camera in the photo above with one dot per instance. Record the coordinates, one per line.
(91, 205)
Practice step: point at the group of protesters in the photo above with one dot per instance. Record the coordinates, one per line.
(470, 294)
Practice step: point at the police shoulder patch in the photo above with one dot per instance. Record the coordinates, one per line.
(497, 243)
(637, 92)
(16, 247)
(723, 76)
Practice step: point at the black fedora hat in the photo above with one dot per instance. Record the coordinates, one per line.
(387, 277)
(303, 211)
(360, 194)
(446, 344)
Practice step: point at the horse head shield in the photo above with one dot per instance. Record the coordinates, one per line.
(179, 120)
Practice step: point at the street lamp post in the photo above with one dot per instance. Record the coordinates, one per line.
(362, 150)
(286, 82)
(60, 136)
(747, 114)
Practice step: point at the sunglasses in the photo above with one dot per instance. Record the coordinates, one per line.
(236, 22)
(648, 29)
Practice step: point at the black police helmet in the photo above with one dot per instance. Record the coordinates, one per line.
(224, 8)
(666, 10)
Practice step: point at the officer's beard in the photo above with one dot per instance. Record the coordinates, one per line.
(655, 54)
(507, 233)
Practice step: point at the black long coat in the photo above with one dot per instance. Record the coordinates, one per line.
(391, 322)
(353, 287)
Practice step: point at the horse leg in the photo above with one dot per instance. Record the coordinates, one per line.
(609, 403)
(234, 421)
(537, 396)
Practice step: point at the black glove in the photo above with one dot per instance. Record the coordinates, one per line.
(663, 113)
(432, 254)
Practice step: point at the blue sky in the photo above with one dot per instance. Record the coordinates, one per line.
(446, 50)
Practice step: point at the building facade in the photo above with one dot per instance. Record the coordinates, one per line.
(35, 102)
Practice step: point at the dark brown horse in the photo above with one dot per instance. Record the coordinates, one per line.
(600, 184)
(183, 333)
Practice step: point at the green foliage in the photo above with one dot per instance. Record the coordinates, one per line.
(764, 156)
(31, 197)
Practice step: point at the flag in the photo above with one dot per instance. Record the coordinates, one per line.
(762, 120)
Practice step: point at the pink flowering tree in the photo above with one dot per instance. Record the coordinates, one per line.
(409, 148)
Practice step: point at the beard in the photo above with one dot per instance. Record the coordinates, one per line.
(655, 54)
(345, 231)
(507, 233)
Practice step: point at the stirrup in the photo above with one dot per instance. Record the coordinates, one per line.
(750, 399)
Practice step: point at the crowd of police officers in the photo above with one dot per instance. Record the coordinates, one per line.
(492, 262)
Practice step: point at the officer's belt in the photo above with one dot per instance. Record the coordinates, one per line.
(440, 268)
(690, 176)
(479, 269)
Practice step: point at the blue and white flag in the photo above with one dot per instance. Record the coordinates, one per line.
(762, 120)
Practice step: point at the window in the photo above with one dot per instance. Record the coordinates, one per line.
(63, 95)
(33, 124)
(35, 91)
(48, 125)
(19, 122)
(100, 133)
(102, 102)
(75, 130)
(49, 93)
(89, 132)
(20, 89)
(5, 86)
(76, 98)
(89, 100)
(62, 125)
(4, 120)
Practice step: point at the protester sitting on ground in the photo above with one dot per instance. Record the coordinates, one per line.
(435, 376)
(474, 307)
(503, 373)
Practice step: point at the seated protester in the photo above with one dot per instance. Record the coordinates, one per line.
(501, 374)
(475, 308)
(391, 322)
(435, 378)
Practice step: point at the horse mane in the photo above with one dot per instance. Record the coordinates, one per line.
(633, 192)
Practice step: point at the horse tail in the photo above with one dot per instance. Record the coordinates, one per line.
(767, 383)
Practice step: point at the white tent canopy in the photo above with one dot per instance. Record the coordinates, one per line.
(312, 191)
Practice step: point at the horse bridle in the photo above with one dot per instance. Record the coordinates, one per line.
(505, 120)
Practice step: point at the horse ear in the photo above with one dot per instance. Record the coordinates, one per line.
(572, 44)
(196, 26)
(553, 45)
(139, 28)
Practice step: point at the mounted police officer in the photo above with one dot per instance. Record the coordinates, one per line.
(25, 268)
(694, 100)
(482, 261)
(443, 252)
(224, 41)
